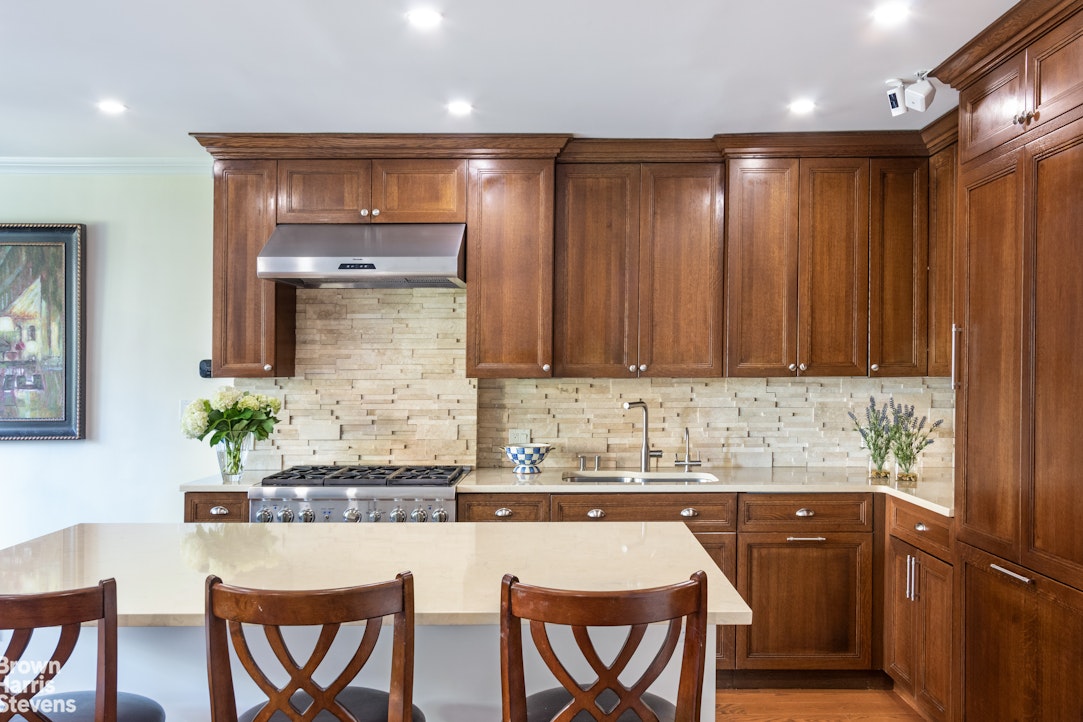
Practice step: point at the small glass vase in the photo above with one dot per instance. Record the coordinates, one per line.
(879, 474)
(232, 455)
(908, 478)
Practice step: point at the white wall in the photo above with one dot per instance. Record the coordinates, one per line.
(148, 316)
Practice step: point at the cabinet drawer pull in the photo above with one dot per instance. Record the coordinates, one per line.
(920, 526)
(1012, 574)
(503, 512)
(219, 510)
(689, 512)
(806, 538)
(596, 514)
(804, 512)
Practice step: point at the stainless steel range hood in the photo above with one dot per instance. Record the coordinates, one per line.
(376, 255)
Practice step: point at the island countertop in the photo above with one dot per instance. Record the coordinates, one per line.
(161, 568)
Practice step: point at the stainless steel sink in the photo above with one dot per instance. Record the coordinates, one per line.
(620, 476)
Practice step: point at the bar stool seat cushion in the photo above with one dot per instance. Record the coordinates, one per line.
(130, 707)
(366, 704)
(543, 706)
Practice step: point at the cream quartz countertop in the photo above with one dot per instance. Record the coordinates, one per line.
(935, 491)
(161, 569)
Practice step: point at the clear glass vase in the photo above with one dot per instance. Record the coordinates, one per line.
(907, 477)
(232, 455)
(879, 474)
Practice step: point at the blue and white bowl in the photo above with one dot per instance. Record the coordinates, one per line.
(527, 457)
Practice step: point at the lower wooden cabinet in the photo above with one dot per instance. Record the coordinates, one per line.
(1021, 642)
(722, 546)
(215, 506)
(811, 600)
(918, 641)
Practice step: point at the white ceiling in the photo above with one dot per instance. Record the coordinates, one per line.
(592, 68)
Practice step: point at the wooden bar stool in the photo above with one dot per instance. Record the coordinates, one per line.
(24, 614)
(605, 698)
(229, 607)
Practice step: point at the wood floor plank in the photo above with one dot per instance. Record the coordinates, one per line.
(816, 705)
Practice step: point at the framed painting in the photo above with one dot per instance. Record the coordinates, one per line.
(42, 350)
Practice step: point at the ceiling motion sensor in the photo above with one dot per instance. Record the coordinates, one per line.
(919, 96)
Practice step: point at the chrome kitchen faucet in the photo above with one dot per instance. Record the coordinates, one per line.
(645, 453)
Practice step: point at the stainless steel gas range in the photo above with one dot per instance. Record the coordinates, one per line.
(358, 494)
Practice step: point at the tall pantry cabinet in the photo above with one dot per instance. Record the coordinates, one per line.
(1019, 291)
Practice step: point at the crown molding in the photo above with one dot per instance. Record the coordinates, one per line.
(237, 146)
(106, 166)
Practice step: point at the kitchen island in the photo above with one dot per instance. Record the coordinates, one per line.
(161, 568)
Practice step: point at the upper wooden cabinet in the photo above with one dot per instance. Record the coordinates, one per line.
(252, 326)
(639, 270)
(376, 191)
(797, 278)
(1033, 87)
(509, 269)
(898, 267)
(942, 188)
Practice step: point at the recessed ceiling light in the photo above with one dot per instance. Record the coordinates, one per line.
(112, 107)
(802, 106)
(424, 18)
(460, 107)
(890, 14)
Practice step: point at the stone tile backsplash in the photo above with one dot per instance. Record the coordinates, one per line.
(380, 379)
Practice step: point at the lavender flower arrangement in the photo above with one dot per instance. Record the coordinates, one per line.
(876, 434)
(908, 438)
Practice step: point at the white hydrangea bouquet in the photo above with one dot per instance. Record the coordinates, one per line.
(233, 419)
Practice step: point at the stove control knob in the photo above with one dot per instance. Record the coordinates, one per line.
(265, 515)
(286, 515)
(439, 514)
(351, 514)
(419, 515)
(398, 515)
(376, 515)
(307, 515)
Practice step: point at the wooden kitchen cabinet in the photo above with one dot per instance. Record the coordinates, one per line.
(252, 325)
(1021, 94)
(509, 269)
(372, 191)
(215, 506)
(502, 507)
(942, 188)
(722, 546)
(898, 267)
(1021, 638)
(810, 588)
(797, 278)
(640, 246)
(918, 632)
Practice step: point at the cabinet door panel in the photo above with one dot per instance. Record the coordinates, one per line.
(323, 191)
(723, 549)
(833, 276)
(942, 187)
(900, 623)
(988, 405)
(596, 306)
(898, 274)
(811, 601)
(1054, 544)
(252, 325)
(217, 507)
(1055, 71)
(509, 268)
(680, 298)
(419, 191)
(761, 267)
(933, 605)
(502, 507)
(987, 108)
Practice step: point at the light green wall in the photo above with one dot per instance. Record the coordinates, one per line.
(148, 316)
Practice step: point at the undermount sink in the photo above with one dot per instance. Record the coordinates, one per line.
(627, 476)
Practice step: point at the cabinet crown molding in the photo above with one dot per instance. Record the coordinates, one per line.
(639, 150)
(942, 132)
(1005, 36)
(379, 145)
(866, 144)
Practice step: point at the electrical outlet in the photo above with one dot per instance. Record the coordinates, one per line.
(518, 436)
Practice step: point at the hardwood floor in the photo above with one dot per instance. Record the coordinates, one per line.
(811, 705)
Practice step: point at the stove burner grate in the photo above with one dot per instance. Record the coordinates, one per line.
(330, 475)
